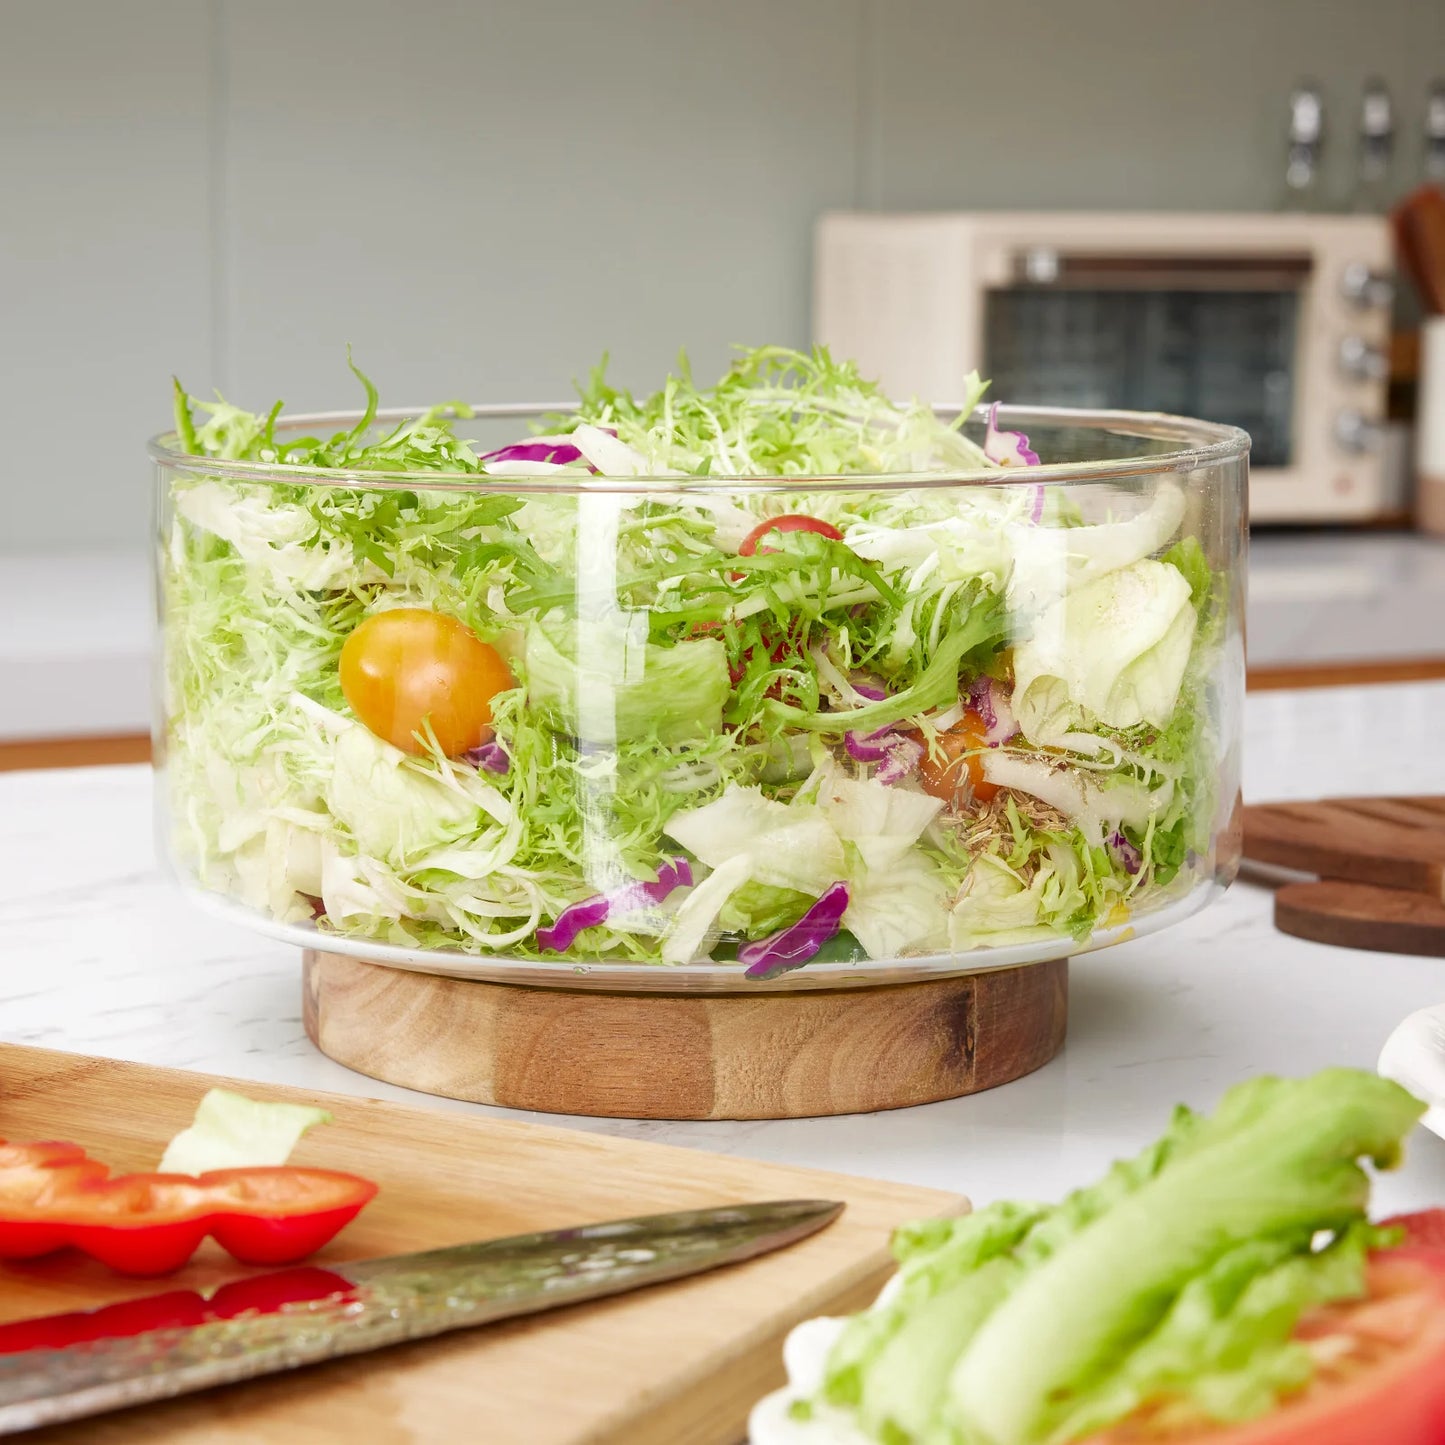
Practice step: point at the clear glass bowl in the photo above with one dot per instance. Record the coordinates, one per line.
(1002, 715)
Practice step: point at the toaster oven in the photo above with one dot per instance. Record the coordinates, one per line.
(1276, 323)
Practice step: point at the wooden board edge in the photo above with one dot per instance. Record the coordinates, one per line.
(1391, 854)
(1302, 910)
(56, 1066)
(1280, 677)
(59, 1064)
(85, 752)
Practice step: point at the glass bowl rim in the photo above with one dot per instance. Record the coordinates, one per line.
(1207, 444)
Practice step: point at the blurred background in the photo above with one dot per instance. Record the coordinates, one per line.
(482, 198)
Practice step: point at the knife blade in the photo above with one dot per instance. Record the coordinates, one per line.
(65, 1367)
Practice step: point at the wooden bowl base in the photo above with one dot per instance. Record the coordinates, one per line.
(686, 1056)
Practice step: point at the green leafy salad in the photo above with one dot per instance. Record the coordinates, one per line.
(593, 695)
(1227, 1274)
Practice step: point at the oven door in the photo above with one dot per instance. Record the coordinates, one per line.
(1213, 336)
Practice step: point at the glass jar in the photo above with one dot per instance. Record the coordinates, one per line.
(630, 733)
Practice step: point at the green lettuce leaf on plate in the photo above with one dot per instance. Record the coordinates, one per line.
(1175, 1282)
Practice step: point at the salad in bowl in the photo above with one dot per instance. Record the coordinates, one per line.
(776, 679)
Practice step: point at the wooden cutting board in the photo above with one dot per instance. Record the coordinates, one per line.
(680, 1364)
(1381, 863)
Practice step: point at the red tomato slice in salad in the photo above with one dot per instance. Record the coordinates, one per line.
(1380, 1373)
(777, 649)
(792, 522)
(1426, 1227)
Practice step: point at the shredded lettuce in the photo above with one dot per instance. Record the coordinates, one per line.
(757, 910)
(779, 412)
(231, 1131)
(1114, 650)
(671, 692)
(676, 693)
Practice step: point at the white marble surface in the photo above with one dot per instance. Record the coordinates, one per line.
(101, 956)
(80, 663)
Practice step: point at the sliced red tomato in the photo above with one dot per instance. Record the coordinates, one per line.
(1380, 1369)
(956, 760)
(792, 522)
(408, 667)
(52, 1197)
(1426, 1227)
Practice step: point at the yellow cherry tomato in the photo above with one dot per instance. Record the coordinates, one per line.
(409, 665)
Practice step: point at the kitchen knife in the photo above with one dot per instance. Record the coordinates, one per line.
(63, 1367)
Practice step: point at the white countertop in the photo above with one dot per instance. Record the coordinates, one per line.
(1317, 597)
(103, 957)
(80, 664)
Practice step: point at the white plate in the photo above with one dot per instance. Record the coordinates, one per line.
(1414, 1055)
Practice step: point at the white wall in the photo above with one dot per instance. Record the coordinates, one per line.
(482, 197)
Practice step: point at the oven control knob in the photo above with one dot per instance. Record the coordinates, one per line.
(1361, 361)
(1041, 266)
(1364, 287)
(1355, 433)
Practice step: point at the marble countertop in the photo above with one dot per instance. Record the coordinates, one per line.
(102, 956)
(81, 663)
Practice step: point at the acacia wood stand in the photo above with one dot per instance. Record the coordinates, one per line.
(686, 1056)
